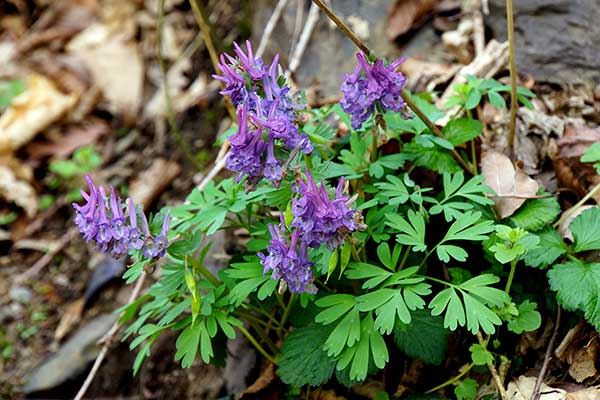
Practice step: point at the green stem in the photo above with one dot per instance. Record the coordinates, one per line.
(261, 311)
(354, 252)
(264, 337)
(404, 258)
(513, 74)
(286, 313)
(511, 275)
(257, 345)
(374, 135)
(451, 380)
(405, 96)
(203, 270)
(474, 156)
(577, 206)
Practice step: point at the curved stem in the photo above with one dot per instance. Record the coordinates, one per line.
(513, 74)
(577, 206)
(493, 371)
(451, 380)
(286, 313)
(203, 270)
(257, 345)
(405, 96)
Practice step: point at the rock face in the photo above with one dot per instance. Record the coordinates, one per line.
(556, 40)
(329, 52)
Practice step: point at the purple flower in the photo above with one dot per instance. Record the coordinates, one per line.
(158, 247)
(266, 117)
(320, 219)
(289, 262)
(371, 84)
(103, 221)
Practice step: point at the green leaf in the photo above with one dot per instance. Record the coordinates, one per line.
(497, 100)
(578, 288)
(480, 355)
(467, 228)
(467, 388)
(303, 360)
(473, 99)
(586, 230)
(527, 320)
(534, 214)
(412, 233)
(434, 158)
(462, 130)
(477, 297)
(369, 347)
(9, 90)
(187, 345)
(455, 193)
(251, 277)
(394, 189)
(592, 154)
(424, 338)
(375, 274)
(549, 249)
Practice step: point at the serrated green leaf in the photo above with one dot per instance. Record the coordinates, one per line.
(534, 214)
(424, 338)
(467, 388)
(480, 355)
(527, 320)
(434, 159)
(303, 360)
(462, 130)
(586, 230)
(578, 288)
(550, 248)
(592, 154)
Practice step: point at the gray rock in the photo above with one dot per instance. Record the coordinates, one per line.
(11, 312)
(329, 53)
(556, 40)
(20, 294)
(72, 358)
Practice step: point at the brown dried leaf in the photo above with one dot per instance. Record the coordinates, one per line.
(592, 393)
(563, 228)
(500, 174)
(522, 389)
(32, 111)
(404, 15)
(576, 140)
(267, 386)
(153, 181)
(582, 365)
(70, 318)
(116, 66)
(17, 191)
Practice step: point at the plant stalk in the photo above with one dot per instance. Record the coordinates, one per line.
(511, 275)
(405, 96)
(257, 345)
(492, 369)
(513, 75)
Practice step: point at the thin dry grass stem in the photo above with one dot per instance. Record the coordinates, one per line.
(513, 75)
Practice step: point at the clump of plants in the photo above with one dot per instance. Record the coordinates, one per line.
(381, 242)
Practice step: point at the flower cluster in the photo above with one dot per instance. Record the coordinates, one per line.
(372, 84)
(317, 219)
(103, 221)
(265, 116)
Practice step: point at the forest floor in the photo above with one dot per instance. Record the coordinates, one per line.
(82, 91)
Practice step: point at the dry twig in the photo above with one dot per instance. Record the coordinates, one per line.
(271, 23)
(311, 21)
(540, 378)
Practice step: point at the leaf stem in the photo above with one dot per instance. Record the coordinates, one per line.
(513, 74)
(405, 96)
(404, 258)
(580, 203)
(492, 369)
(511, 275)
(451, 380)
(257, 345)
(286, 314)
(203, 270)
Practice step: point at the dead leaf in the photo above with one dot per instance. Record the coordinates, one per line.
(592, 393)
(522, 389)
(500, 174)
(404, 15)
(70, 318)
(17, 191)
(32, 111)
(116, 66)
(325, 395)
(153, 181)
(266, 387)
(582, 363)
(563, 228)
(75, 137)
(576, 139)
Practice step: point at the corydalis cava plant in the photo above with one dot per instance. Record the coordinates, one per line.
(102, 220)
(371, 85)
(266, 117)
